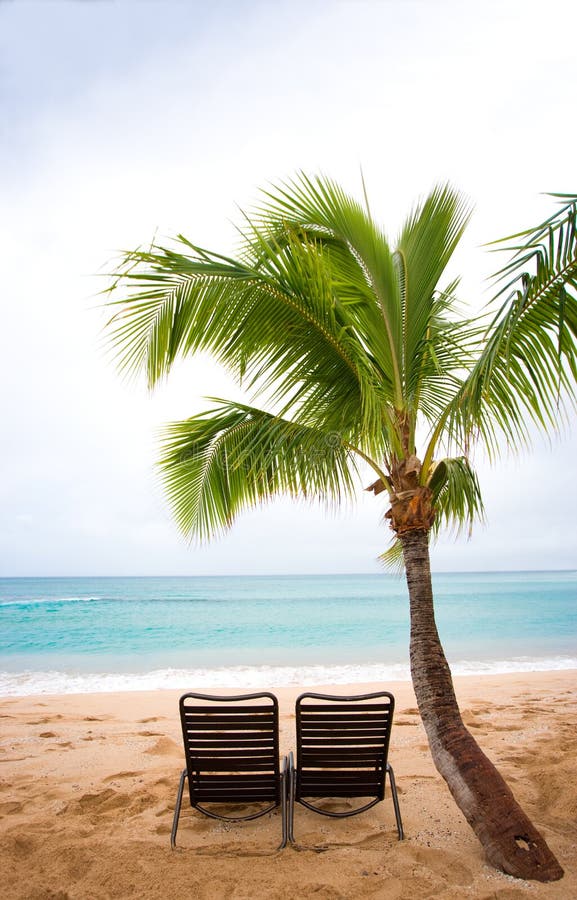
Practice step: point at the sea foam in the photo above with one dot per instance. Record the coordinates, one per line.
(33, 601)
(249, 677)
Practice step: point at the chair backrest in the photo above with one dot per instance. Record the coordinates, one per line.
(231, 744)
(342, 744)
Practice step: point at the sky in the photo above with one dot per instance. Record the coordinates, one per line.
(124, 120)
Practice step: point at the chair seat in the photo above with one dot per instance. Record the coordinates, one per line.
(235, 788)
(339, 784)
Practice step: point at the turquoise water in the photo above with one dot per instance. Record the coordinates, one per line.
(71, 634)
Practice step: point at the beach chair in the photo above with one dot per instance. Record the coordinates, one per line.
(342, 745)
(231, 745)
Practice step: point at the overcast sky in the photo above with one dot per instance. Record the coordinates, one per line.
(120, 120)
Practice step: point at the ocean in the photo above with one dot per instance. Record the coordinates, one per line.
(73, 635)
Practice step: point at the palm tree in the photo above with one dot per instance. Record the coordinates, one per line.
(355, 350)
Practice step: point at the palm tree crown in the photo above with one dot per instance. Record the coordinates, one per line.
(352, 344)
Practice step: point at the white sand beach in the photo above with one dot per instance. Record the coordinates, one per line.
(88, 784)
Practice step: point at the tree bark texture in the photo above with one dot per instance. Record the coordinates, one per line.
(510, 841)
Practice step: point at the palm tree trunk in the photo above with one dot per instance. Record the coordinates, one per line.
(510, 841)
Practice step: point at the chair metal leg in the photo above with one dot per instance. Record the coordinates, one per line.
(284, 786)
(183, 778)
(291, 798)
(396, 802)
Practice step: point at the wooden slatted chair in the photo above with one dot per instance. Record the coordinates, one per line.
(341, 752)
(231, 745)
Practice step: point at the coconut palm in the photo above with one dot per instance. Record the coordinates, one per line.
(358, 361)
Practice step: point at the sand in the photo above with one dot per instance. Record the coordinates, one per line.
(88, 784)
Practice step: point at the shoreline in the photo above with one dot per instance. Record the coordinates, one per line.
(88, 784)
(466, 687)
(244, 678)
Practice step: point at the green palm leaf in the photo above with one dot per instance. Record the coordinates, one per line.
(527, 370)
(426, 244)
(456, 494)
(279, 325)
(398, 312)
(318, 206)
(235, 457)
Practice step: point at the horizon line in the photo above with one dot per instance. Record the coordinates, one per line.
(305, 574)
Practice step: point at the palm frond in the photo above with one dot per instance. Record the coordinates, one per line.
(527, 370)
(235, 457)
(445, 352)
(423, 341)
(456, 494)
(524, 243)
(280, 325)
(319, 206)
(392, 558)
(427, 241)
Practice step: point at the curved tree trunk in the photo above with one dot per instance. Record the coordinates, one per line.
(510, 841)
